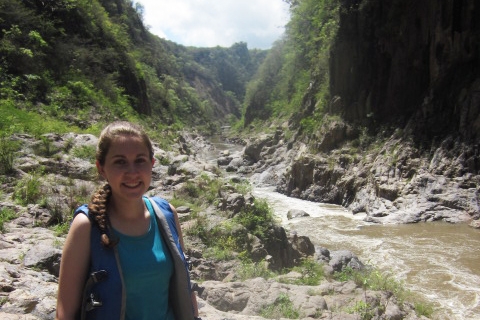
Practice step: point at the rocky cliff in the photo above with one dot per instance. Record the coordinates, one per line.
(398, 61)
(401, 137)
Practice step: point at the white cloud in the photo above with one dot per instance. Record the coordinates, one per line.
(208, 23)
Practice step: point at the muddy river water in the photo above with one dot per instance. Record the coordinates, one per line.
(439, 261)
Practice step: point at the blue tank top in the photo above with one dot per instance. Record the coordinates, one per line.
(147, 268)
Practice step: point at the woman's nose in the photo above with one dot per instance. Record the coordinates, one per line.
(132, 168)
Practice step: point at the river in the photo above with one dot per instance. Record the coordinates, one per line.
(439, 261)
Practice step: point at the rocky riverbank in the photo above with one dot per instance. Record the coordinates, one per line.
(392, 179)
(59, 167)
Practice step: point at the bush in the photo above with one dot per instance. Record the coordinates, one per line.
(28, 189)
(312, 272)
(373, 279)
(251, 270)
(85, 153)
(8, 150)
(6, 215)
(281, 308)
(257, 219)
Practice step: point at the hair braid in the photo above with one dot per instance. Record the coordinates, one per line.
(98, 211)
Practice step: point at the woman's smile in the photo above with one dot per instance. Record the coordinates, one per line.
(127, 167)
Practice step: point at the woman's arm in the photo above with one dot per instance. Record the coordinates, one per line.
(180, 237)
(73, 268)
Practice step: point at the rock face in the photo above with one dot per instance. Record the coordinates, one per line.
(392, 180)
(395, 184)
(409, 59)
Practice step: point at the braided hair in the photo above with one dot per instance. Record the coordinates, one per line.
(99, 201)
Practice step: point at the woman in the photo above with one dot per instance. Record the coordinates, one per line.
(123, 256)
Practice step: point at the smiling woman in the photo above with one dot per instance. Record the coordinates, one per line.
(124, 257)
(259, 23)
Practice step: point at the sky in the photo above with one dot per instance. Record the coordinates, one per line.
(210, 23)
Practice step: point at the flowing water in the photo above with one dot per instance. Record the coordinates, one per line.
(439, 261)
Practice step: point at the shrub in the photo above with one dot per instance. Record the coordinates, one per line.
(8, 149)
(6, 215)
(85, 152)
(257, 219)
(312, 272)
(423, 309)
(373, 279)
(28, 189)
(250, 270)
(46, 147)
(363, 309)
(61, 228)
(281, 308)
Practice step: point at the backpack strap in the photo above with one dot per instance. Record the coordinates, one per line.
(103, 294)
(180, 286)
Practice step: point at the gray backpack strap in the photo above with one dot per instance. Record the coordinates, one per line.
(180, 291)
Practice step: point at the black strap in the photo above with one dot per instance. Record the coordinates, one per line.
(91, 301)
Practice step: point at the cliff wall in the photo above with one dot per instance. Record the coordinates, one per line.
(396, 61)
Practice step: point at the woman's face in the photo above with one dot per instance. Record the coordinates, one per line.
(127, 167)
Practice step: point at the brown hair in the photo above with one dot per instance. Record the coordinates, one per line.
(98, 204)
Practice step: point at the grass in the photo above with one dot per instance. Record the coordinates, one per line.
(6, 215)
(251, 270)
(61, 228)
(8, 150)
(311, 271)
(373, 279)
(363, 309)
(28, 189)
(282, 307)
(86, 152)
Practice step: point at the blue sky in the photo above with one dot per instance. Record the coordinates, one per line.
(208, 23)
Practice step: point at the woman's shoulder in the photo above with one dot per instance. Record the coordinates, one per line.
(81, 209)
(80, 225)
(81, 219)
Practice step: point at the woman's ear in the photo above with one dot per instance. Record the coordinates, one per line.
(100, 169)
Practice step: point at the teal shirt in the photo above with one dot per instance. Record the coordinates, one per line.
(147, 268)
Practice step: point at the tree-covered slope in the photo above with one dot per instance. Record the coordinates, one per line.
(84, 61)
(376, 64)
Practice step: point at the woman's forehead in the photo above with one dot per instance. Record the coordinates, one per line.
(127, 144)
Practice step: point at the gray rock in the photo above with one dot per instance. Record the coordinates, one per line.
(296, 213)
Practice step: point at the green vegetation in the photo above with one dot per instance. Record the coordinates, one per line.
(364, 310)
(281, 308)
(28, 189)
(61, 228)
(251, 270)
(296, 69)
(8, 149)
(67, 62)
(373, 279)
(74, 65)
(257, 219)
(6, 215)
(311, 271)
(85, 152)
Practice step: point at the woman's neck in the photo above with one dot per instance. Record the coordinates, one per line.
(128, 210)
(130, 218)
